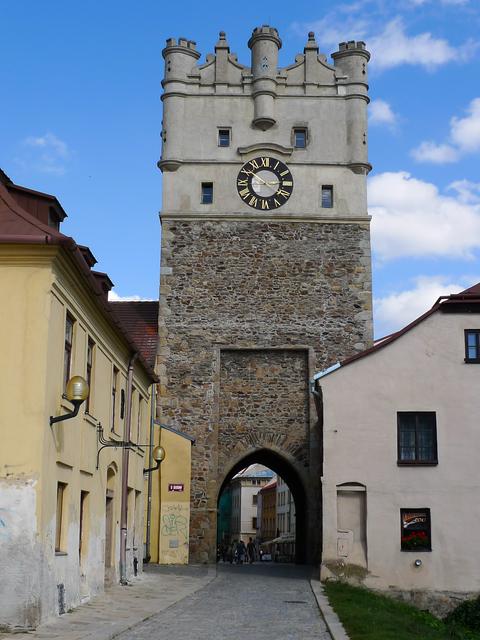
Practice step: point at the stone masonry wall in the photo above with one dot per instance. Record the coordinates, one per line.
(263, 402)
(230, 285)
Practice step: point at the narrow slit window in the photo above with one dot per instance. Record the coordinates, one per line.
(90, 349)
(224, 137)
(207, 192)
(61, 490)
(300, 138)
(67, 358)
(114, 396)
(472, 345)
(327, 196)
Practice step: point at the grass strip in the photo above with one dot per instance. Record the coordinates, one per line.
(369, 616)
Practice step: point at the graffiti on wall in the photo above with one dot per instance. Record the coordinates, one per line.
(174, 532)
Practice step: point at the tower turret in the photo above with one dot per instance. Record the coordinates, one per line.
(264, 44)
(351, 61)
(180, 60)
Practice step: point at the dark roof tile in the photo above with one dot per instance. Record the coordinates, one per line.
(140, 321)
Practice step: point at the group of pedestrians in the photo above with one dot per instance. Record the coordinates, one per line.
(237, 552)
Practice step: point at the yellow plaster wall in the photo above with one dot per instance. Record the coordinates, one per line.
(39, 285)
(171, 509)
(24, 317)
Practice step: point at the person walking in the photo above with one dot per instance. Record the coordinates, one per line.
(250, 551)
(241, 552)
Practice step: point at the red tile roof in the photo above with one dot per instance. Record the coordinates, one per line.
(454, 302)
(18, 226)
(140, 322)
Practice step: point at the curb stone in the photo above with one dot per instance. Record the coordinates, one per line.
(334, 626)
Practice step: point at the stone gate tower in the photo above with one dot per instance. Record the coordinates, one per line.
(265, 273)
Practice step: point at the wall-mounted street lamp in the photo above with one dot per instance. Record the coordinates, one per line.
(158, 454)
(76, 392)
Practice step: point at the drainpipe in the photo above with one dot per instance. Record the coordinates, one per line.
(125, 458)
(150, 477)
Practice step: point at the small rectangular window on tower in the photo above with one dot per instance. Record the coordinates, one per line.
(207, 192)
(224, 137)
(300, 138)
(327, 196)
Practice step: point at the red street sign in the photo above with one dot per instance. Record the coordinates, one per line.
(175, 487)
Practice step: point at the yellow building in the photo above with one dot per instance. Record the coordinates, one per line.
(168, 528)
(71, 514)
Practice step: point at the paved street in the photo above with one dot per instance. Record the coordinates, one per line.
(260, 601)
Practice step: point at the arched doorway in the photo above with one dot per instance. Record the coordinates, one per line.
(285, 469)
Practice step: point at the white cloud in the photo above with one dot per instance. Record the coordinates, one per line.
(437, 153)
(464, 137)
(393, 47)
(389, 43)
(411, 218)
(330, 30)
(380, 112)
(398, 309)
(465, 132)
(47, 153)
(467, 191)
(114, 297)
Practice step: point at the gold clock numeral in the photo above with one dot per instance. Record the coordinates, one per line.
(274, 168)
(265, 162)
(283, 193)
(284, 173)
(277, 203)
(253, 201)
(242, 183)
(244, 193)
(254, 164)
(287, 183)
(265, 204)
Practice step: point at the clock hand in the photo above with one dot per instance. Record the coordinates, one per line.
(259, 178)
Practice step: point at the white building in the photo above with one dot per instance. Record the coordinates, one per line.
(401, 454)
(244, 488)
(285, 510)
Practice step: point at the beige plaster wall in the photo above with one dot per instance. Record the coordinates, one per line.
(422, 371)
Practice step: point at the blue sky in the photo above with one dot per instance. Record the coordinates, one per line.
(80, 118)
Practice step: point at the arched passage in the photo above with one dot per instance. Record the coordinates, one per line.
(282, 467)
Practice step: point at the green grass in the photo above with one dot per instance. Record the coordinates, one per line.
(368, 616)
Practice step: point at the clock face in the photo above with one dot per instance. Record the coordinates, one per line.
(265, 183)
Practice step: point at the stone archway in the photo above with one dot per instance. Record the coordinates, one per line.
(259, 408)
(285, 468)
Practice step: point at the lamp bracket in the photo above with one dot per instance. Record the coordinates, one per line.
(120, 444)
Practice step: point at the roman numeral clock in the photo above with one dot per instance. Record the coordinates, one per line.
(265, 183)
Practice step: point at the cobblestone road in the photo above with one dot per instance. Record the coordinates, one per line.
(259, 601)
